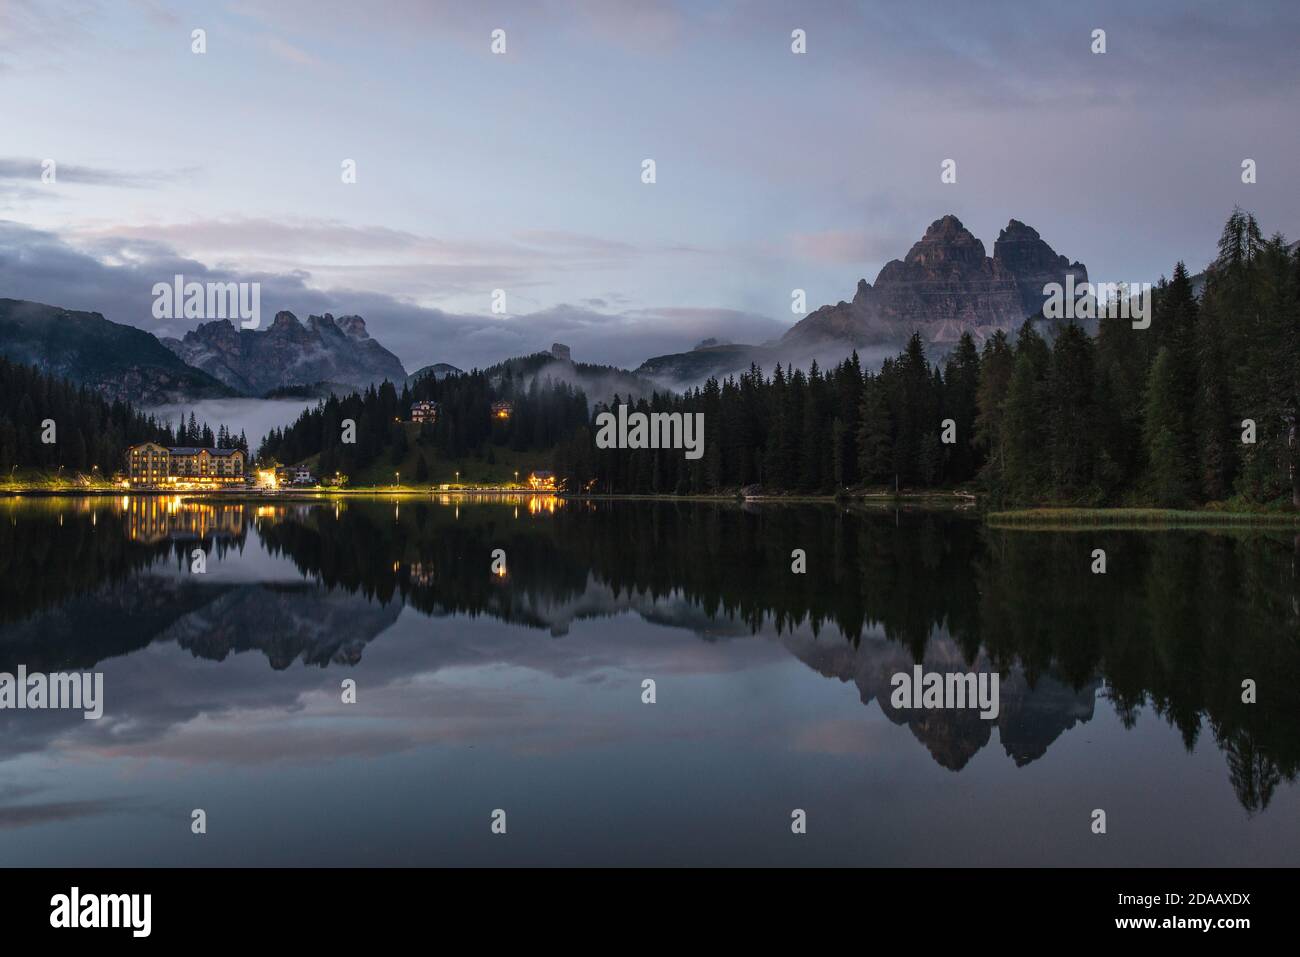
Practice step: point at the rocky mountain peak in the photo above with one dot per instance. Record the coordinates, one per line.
(1034, 263)
(946, 285)
(353, 326)
(947, 240)
(289, 353)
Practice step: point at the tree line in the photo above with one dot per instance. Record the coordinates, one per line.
(1199, 407)
(90, 433)
(543, 413)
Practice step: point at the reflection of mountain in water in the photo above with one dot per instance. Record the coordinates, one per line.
(1029, 718)
(1191, 616)
(285, 623)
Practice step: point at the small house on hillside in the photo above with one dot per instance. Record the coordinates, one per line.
(426, 410)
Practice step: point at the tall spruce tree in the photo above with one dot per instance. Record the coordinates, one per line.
(1169, 469)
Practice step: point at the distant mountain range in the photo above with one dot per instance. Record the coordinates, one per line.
(943, 287)
(216, 360)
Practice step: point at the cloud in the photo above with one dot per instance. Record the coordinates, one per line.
(849, 246)
(113, 274)
(288, 52)
(19, 170)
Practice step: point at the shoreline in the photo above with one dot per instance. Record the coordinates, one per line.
(1135, 518)
(1044, 518)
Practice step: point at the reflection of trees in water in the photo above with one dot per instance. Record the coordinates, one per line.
(53, 550)
(1176, 624)
(1255, 775)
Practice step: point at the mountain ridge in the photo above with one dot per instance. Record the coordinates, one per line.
(288, 353)
(117, 361)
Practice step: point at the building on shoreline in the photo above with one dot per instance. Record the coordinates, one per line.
(542, 480)
(150, 464)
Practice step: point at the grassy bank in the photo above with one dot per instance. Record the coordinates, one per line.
(1121, 518)
(18, 481)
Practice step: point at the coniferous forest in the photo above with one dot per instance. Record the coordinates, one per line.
(543, 413)
(1156, 416)
(90, 434)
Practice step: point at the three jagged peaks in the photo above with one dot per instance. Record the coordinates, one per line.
(946, 285)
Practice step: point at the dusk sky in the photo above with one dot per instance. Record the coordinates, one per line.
(522, 171)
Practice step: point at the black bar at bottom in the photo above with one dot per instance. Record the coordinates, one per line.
(334, 906)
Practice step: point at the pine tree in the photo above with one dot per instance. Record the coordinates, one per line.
(1169, 465)
(961, 404)
(1072, 418)
(1023, 427)
(997, 362)
(875, 438)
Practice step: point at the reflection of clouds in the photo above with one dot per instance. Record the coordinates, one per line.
(840, 736)
(429, 681)
(200, 691)
(24, 815)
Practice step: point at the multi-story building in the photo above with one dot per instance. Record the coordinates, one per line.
(153, 464)
(147, 464)
(426, 410)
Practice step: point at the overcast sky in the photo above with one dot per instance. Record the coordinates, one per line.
(522, 171)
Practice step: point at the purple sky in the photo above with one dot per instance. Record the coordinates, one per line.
(522, 171)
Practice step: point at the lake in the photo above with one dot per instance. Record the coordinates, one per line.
(516, 683)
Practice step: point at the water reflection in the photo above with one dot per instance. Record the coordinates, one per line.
(1180, 620)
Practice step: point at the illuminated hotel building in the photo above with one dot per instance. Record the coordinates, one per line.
(153, 464)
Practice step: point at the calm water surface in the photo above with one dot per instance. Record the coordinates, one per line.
(523, 690)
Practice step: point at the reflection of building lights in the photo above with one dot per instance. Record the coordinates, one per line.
(537, 504)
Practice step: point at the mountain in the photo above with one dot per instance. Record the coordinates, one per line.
(700, 363)
(945, 286)
(116, 361)
(439, 370)
(288, 353)
(599, 383)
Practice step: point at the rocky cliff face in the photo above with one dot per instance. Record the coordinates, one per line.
(1033, 263)
(288, 353)
(944, 286)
